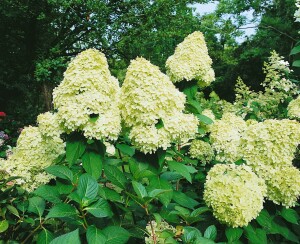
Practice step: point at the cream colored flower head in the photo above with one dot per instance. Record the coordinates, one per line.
(148, 95)
(225, 137)
(235, 194)
(152, 106)
(294, 108)
(283, 184)
(191, 61)
(31, 156)
(202, 151)
(87, 99)
(155, 232)
(272, 142)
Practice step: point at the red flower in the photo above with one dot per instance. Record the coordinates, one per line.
(2, 114)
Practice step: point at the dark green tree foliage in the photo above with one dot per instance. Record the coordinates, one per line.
(277, 30)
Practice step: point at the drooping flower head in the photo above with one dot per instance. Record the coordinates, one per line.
(235, 194)
(87, 99)
(191, 61)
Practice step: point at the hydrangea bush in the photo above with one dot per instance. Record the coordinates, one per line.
(150, 162)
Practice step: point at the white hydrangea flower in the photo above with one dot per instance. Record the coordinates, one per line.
(272, 142)
(49, 125)
(235, 194)
(202, 151)
(294, 108)
(148, 95)
(191, 61)
(87, 99)
(225, 137)
(31, 156)
(152, 107)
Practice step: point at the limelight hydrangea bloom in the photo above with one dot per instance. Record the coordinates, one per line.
(202, 151)
(283, 184)
(87, 99)
(191, 61)
(226, 137)
(235, 194)
(31, 156)
(294, 108)
(148, 95)
(272, 142)
(49, 125)
(150, 98)
(155, 234)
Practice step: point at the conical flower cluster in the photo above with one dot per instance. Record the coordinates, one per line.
(87, 98)
(191, 61)
(152, 107)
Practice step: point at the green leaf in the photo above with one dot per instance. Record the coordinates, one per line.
(94, 235)
(203, 240)
(92, 163)
(116, 235)
(114, 175)
(157, 183)
(295, 50)
(181, 169)
(3, 225)
(45, 237)
(296, 63)
(72, 237)
(190, 91)
(191, 234)
(87, 187)
(159, 124)
(61, 210)
(161, 156)
(193, 106)
(289, 214)
(49, 193)
(74, 150)
(280, 227)
(211, 232)
(109, 194)
(199, 211)
(184, 200)
(36, 205)
(233, 234)
(157, 192)
(126, 149)
(139, 189)
(264, 219)
(100, 209)
(60, 171)
(13, 210)
(255, 236)
(204, 119)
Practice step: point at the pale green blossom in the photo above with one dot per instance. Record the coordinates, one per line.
(202, 151)
(87, 99)
(225, 137)
(191, 61)
(235, 194)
